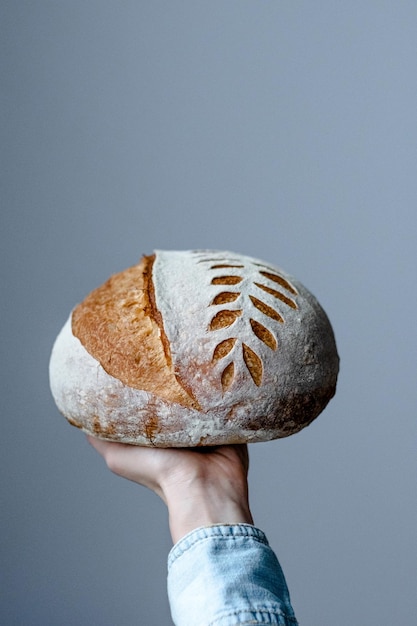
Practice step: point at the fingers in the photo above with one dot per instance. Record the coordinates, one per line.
(100, 445)
(111, 452)
(128, 461)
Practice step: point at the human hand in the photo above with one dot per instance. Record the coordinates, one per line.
(200, 486)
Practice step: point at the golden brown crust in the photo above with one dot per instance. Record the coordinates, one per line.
(118, 325)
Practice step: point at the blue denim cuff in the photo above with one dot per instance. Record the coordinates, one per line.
(227, 575)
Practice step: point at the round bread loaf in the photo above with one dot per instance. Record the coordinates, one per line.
(195, 348)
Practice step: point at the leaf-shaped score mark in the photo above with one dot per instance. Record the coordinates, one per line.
(223, 319)
(223, 348)
(278, 295)
(280, 281)
(228, 376)
(226, 280)
(264, 334)
(266, 310)
(253, 363)
(225, 296)
(223, 265)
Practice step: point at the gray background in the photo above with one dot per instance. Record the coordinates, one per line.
(284, 130)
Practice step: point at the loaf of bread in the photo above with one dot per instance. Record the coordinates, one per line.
(195, 348)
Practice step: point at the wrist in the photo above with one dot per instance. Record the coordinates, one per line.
(195, 505)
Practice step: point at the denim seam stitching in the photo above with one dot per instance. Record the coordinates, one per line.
(198, 540)
(264, 612)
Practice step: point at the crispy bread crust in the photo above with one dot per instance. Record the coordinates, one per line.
(119, 325)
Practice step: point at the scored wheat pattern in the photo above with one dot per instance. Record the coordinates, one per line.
(268, 281)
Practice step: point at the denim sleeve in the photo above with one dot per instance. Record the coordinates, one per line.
(227, 576)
